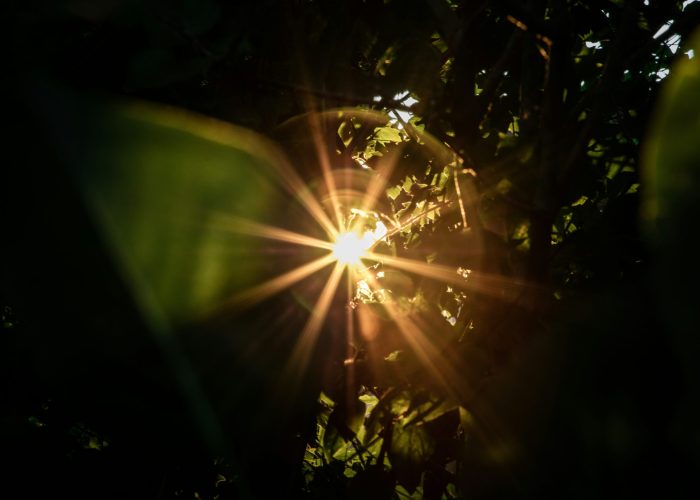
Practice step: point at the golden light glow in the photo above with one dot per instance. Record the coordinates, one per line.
(307, 339)
(252, 228)
(353, 229)
(349, 248)
(275, 285)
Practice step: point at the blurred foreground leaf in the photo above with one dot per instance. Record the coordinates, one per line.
(672, 205)
(166, 189)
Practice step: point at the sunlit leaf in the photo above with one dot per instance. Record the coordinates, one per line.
(388, 134)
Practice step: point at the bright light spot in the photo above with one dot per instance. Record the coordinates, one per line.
(361, 162)
(690, 54)
(409, 101)
(688, 2)
(673, 43)
(593, 45)
(380, 231)
(661, 74)
(449, 317)
(349, 248)
(363, 290)
(400, 117)
(663, 29)
(464, 272)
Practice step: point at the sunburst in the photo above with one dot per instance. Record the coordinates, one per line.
(350, 247)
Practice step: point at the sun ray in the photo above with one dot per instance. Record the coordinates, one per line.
(488, 284)
(252, 228)
(322, 154)
(275, 285)
(350, 340)
(442, 372)
(456, 386)
(307, 339)
(295, 185)
(427, 353)
(326, 169)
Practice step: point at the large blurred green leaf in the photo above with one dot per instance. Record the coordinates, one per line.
(672, 152)
(672, 202)
(165, 188)
(672, 206)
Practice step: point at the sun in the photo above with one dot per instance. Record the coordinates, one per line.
(349, 248)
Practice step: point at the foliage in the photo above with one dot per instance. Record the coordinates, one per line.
(508, 136)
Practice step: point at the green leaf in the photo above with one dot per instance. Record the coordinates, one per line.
(393, 192)
(412, 444)
(387, 134)
(167, 190)
(671, 204)
(411, 447)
